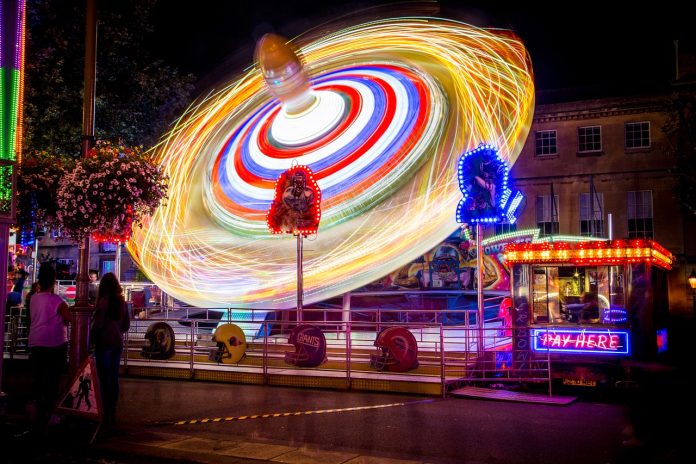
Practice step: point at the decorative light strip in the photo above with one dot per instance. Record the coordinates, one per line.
(19, 66)
(604, 252)
(532, 234)
(567, 238)
(11, 80)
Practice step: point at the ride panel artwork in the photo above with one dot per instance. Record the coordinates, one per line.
(378, 111)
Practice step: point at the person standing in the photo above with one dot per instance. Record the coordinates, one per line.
(49, 318)
(93, 286)
(14, 298)
(110, 322)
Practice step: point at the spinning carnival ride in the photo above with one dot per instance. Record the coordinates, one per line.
(380, 112)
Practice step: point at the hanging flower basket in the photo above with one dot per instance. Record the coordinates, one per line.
(38, 181)
(108, 192)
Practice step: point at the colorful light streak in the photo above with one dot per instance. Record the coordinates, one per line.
(415, 93)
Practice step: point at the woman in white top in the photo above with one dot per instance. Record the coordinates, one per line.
(48, 342)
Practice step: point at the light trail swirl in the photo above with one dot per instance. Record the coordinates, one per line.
(397, 101)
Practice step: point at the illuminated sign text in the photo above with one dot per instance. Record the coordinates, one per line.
(593, 341)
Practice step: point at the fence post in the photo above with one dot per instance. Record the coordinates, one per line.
(193, 332)
(265, 353)
(443, 379)
(348, 355)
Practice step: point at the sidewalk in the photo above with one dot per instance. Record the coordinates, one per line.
(180, 421)
(147, 432)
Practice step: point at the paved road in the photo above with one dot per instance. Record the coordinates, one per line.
(363, 428)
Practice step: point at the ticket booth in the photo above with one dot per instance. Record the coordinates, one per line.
(589, 304)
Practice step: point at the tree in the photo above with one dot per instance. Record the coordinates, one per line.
(138, 96)
(680, 127)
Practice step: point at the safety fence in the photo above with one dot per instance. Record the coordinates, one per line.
(455, 347)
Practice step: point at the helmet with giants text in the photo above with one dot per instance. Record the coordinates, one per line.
(310, 346)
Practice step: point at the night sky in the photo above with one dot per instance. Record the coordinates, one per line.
(593, 44)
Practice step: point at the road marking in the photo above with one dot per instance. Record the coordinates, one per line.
(295, 413)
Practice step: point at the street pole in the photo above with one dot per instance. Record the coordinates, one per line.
(82, 311)
(117, 264)
(479, 287)
(300, 290)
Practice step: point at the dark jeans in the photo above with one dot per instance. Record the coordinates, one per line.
(48, 366)
(108, 362)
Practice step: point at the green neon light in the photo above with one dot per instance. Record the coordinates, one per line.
(3, 126)
(5, 190)
(8, 128)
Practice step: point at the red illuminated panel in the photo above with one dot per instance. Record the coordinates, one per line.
(610, 252)
(296, 207)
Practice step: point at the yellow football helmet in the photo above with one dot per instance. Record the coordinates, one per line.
(231, 344)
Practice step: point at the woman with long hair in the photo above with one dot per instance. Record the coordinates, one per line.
(110, 322)
(49, 317)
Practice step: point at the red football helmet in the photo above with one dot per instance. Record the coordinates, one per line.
(398, 350)
(505, 313)
(310, 346)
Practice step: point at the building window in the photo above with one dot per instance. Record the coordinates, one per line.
(108, 265)
(640, 214)
(107, 247)
(589, 139)
(545, 142)
(592, 215)
(547, 214)
(504, 228)
(638, 134)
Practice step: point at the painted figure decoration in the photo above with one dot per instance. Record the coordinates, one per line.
(483, 180)
(296, 207)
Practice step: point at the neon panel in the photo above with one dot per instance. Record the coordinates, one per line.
(581, 341)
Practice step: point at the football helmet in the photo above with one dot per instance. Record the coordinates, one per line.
(160, 337)
(310, 346)
(398, 350)
(505, 314)
(231, 344)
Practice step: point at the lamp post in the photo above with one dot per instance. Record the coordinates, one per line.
(82, 311)
(692, 282)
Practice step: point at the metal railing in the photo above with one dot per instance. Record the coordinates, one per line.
(448, 354)
(455, 348)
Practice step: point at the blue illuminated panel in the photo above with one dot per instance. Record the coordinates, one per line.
(483, 180)
(581, 341)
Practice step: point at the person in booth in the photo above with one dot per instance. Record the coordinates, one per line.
(590, 308)
(93, 286)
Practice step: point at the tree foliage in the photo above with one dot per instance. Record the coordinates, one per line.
(138, 96)
(680, 127)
